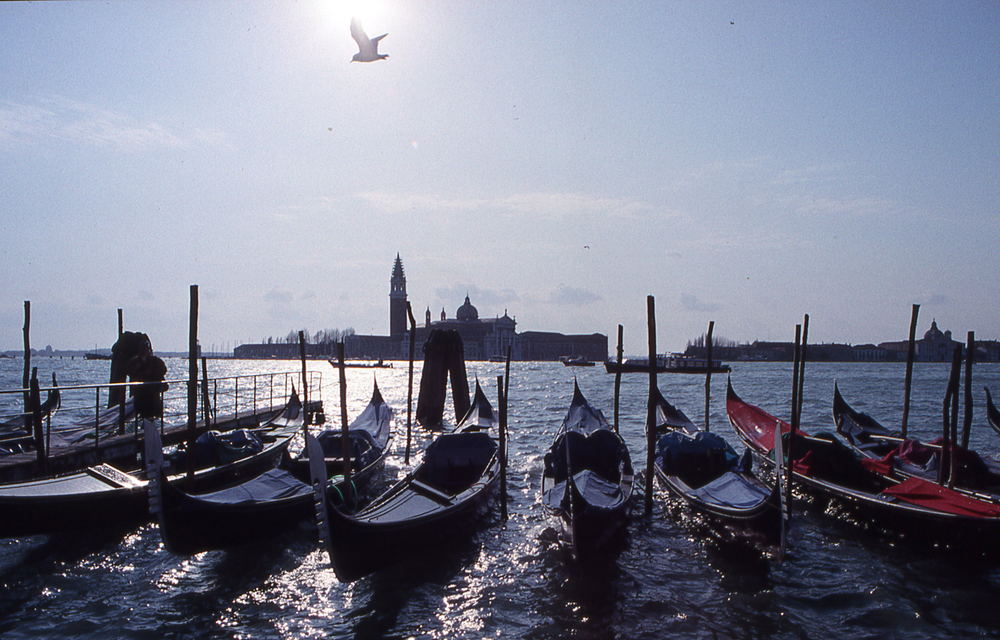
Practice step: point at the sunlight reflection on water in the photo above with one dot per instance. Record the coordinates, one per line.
(512, 579)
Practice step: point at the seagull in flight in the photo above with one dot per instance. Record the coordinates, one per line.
(367, 47)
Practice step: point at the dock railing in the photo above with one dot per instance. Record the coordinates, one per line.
(79, 415)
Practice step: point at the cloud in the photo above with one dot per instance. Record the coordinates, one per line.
(692, 303)
(572, 296)
(60, 118)
(826, 206)
(278, 296)
(935, 299)
(554, 204)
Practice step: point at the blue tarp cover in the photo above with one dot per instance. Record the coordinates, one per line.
(271, 485)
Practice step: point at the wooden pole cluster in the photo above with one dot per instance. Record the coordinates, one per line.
(950, 411)
(650, 403)
(794, 420)
(302, 361)
(618, 372)
(708, 372)
(409, 383)
(910, 353)
(970, 350)
(35, 418)
(192, 390)
(304, 398)
(206, 406)
(344, 433)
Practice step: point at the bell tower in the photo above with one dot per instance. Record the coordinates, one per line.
(397, 300)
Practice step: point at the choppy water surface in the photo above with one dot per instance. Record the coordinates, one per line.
(511, 580)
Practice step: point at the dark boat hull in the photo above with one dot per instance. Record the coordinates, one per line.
(99, 503)
(359, 548)
(189, 525)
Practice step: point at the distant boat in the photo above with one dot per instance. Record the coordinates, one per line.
(667, 363)
(361, 365)
(576, 361)
(97, 356)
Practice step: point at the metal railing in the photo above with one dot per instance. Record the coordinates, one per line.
(80, 415)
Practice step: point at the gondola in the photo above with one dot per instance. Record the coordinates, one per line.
(992, 413)
(824, 467)
(587, 481)
(104, 495)
(887, 452)
(438, 501)
(704, 471)
(278, 498)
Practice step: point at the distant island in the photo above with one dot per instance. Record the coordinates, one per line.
(935, 346)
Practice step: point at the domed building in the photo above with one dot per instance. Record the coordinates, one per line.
(482, 338)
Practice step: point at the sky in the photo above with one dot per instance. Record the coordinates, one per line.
(745, 163)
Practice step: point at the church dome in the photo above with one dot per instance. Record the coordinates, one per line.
(467, 312)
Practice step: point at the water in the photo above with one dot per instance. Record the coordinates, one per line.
(511, 579)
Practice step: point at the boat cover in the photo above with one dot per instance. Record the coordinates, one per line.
(733, 490)
(929, 494)
(275, 484)
(678, 453)
(601, 452)
(212, 448)
(594, 489)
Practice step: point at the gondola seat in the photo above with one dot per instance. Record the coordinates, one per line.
(454, 461)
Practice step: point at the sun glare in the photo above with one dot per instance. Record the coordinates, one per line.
(338, 13)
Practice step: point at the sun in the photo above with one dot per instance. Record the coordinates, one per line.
(338, 13)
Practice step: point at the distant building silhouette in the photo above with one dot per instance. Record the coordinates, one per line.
(482, 338)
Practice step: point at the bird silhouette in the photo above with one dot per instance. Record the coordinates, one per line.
(367, 47)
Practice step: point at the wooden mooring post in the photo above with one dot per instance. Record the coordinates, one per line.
(502, 405)
(650, 403)
(305, 381)
(192, 385)
(618, 372)
(908, 381)
(409, 382)
(708, 372)
(26, 378)
(345, 439)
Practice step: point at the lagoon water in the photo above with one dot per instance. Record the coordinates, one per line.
(511, 580)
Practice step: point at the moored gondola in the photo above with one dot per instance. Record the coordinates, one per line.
(279, 498)
(704, 471)
(104, 495)
(436, 502)
(587, 482)
(823, 466)
(887, 452)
